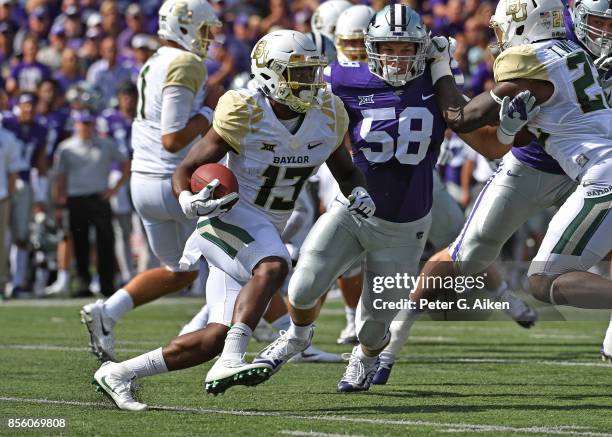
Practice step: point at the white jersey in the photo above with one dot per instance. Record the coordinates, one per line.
(575, 124)
(169, 66)
(270, 163)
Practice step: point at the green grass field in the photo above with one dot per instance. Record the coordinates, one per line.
(490, 378)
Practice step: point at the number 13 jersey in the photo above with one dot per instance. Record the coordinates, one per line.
(270, 163)
(395, 133)
(575, 125)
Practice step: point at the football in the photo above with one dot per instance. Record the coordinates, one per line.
(208, 172)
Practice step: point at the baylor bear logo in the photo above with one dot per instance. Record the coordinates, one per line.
(517, 9)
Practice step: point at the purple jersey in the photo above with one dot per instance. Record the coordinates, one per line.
(55, 122)
(533, 155)
(114, 125)
(33, 137)
(395, 134)
(28, 76)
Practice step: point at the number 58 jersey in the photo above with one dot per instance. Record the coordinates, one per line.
(270, 163)
(395, 134)
(575, 125)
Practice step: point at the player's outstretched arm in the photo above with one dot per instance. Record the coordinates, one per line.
(514, 114)
(210, 149)
(352, 183)
(344, 171)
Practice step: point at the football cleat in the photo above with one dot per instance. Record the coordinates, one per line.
(606, 358)
(264, 332)
(100, 327)
(348, 335)
(519, 310)
(382, 374)
(314, 355)
(228, 373)
(358, 375)
(115, 381)
(282, 350)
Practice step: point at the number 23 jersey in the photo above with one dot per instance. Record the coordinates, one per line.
(575, 123)
(270, 163)
(395, 134)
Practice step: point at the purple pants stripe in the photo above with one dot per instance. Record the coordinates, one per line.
(472, 213)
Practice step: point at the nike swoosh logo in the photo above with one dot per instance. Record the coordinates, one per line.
(103, 381)
(312, 146)
(104, 331)
(427, 97)
(514, 175)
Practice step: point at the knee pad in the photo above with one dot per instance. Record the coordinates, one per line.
(303, 292)
(373, 335)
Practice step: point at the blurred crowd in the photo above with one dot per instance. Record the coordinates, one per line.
(68, 74)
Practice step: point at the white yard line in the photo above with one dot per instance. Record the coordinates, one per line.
(314, 434)
(401, 359)
(441, 426)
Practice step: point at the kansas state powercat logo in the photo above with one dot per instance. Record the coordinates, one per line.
(366, 100)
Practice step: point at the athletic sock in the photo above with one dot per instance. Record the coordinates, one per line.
(400, 330)
(63, 277)
(199, 321)
(119, 303)
(236, 342)
(363, 357)
(607, 343)
(501, 291)
(350, 314)
(301, 332)
(282, 323)
(19, 259)
(149, 364)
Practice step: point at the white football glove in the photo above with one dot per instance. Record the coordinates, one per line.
(446, 153)
(514, 114)
(361, 205)
(440, 54)
(604, 62)
(203, 205)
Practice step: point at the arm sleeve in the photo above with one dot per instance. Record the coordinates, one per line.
(232, 119)
(176, 108)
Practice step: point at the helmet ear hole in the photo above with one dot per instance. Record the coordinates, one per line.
(265, 76)
(184, 31)
(519, 30)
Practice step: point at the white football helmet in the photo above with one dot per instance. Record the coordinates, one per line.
(350, 28)
(518, 22)
(188, 23)
(325, 16)
(597, 41)
(288, 68)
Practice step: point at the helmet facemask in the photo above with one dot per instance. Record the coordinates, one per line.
(500, 34)
(300, 84)
(203, 40)
(397, 70)
(352, 47)
(591, 30)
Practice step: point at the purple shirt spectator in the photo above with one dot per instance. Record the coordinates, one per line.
(29, 75)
